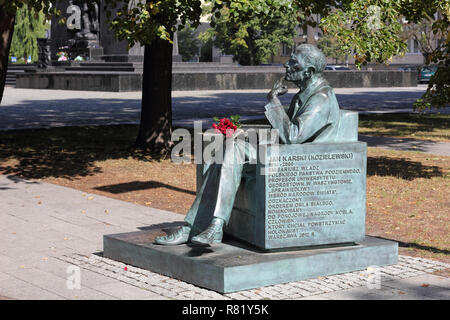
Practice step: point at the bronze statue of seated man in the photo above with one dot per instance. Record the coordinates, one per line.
(312, 116)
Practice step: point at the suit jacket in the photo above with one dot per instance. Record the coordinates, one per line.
(313, 115)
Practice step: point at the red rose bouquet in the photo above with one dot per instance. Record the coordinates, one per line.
(227, 126)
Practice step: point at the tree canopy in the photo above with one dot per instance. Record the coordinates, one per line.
(371, 30)
(29, 26)
(329, 46)
(188, 44)
(48, 8)
(144, 21)
(252, 31)
(428, 42)
(8, 9)
(368, 29)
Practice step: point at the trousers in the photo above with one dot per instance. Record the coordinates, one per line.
(221, 181)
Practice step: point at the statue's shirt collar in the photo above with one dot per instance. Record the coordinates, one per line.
(311, 89)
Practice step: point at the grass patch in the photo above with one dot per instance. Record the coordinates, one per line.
(98, 159)
(407, 201)
(434, 127)
(67, 152)
(406, 125)
(407, 192)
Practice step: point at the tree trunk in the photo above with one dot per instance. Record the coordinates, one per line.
(428, 57)
(156, 112)
(251, 50)
(7, 21)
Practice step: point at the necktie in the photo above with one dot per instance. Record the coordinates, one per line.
(297, 105)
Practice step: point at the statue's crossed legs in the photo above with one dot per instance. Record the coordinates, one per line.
(213, 204)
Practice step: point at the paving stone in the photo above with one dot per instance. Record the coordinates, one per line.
(315, 297)
(385, 293)
(56, 285)
(236, 296)
(123, 291)
(188, 294)
(304, 293)
(160, 290)
(329, 285)
(431, 286)
(251, 295)
(349, 280)
(307, 287)
(92, 279)
(29, 292)
(4, 276)
(318, 285)
(338, 282)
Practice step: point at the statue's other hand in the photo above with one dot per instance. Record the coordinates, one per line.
(279, 88)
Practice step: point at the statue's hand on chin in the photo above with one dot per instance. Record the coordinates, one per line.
(279, 88)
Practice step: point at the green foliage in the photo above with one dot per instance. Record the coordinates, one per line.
(430, 41)
(206, 51)
(368, 28)
(236, 120)
(252, 31)
(372, 31)
(47, 8)
(144, 21)
(438, 91)
(27, 29)
(188, 43)
(331, 48)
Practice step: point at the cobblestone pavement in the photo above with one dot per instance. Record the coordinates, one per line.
(407, 267)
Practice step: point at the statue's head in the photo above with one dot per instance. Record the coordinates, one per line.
(305, 62)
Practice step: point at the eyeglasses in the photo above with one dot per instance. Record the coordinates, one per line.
(294, 64)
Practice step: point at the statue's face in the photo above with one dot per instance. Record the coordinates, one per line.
(296, 71)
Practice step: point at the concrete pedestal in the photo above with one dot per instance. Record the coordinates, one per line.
(233, 266)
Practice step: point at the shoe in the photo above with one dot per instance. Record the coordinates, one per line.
(212, 234)
(179, 236)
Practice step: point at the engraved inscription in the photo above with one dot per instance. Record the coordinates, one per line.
(303, 192)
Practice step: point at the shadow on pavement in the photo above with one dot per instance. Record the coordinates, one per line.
(64, 152)
(416, 246)
(139, 185)
(69, 112)
(400, 168)
(165, 226)
(407, 144)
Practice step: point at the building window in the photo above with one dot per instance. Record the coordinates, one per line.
(408, 44)
(416, 46)
(286, 50)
